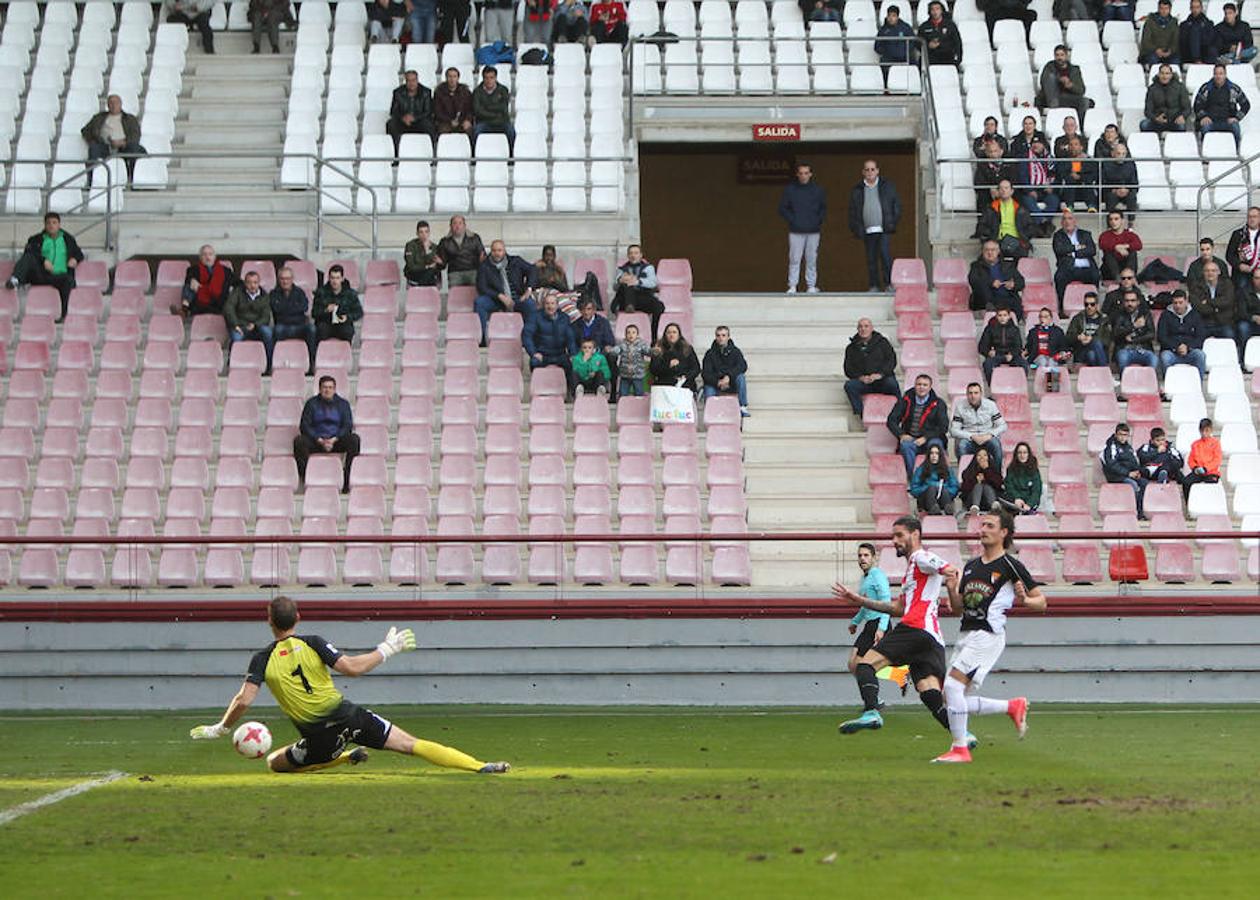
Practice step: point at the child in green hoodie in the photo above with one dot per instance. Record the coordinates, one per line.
(590, 370)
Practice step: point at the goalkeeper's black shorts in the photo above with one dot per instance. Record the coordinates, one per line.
(324, 740)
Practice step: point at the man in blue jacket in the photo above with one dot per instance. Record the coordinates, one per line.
(804, 207)
(327, 426)
(592, 326)
(548, 339)
(503, 286)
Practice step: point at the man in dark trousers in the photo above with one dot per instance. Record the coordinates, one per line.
(410, 110)
(336, 307)
(636, 288)
(206, 285)
(503, 286)
(327, 426)
(1001, 344)
(1074, 249)
(461, 253)
(289, 312)
(804, 207)
(50, 257)
(548, 340)
(995, 283)
(724, 369)
(1061, 85)
(874, 211)
(869, 365)
(918, 420)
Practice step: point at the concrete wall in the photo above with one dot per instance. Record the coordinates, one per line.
(758, 662)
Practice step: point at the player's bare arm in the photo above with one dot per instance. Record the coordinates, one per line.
(235, 709)
(952, 579)
(1033, 599)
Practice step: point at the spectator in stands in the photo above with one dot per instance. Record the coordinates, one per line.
(453, 21)
(1022, 143)
(938, 31)
(498, 22)
(206, 285)
(327, 426)
(933, 485)
(976, 422)
(1248, 304)
(1070, 130)
(1106, 143)
(410, 110)
(1046, 347)
(1243, 250)
(874, 211)
(422, 262)
(895, 45)
(491, 101)
(1120, 181)
(385, 21)
(1114, 300)
(194, 14)
(803, 205)
(1167, 102)
(113, 131)
(289, 313)
(1119, 246)
(1220, 104)
(1198, 43)
(247, 313)
(267, 15)
(1204, 460)
(724, 369)
(1233, 38)
(1061, 85)
(548, 272)
(608, 22)
(1001, 344)
(990, 133)
(1160, 460)
(1180, 334)
(1133, 334)
(548, 337)
(569, 24)
(1213, 299)
(1008, 223)
(49, 257)
(592, 326)
(1120, 464)
(1117, 11)
(819, 11)
(1088, 334)
(335, 307)
(674, 360)
(1078, 178)
(1207, 254)
(453, 105)
(590, 370)
(1074, 250)
(632, 359)
(422, 16)
(919, 421)
(461, 252)
(503, 286)
(1070, 10)
(538, 17)
(982, 483)
(870, 363)
(995, 282)
(1160, 36)
(991, 171)
(1038, 198)
(997, 10)
(1022, 496)
(636, 288)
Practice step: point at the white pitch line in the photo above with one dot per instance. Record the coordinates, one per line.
(16, 812)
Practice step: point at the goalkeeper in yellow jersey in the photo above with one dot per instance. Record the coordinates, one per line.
(295, 668)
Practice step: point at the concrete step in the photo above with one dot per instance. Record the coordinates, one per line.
(234, 138)
(221, 90)
(196, 111)
(765, 479)
(813, 513)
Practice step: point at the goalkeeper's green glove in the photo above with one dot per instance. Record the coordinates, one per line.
(207, 732)
(397, 642)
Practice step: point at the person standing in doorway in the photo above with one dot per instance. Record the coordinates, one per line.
(874, 211)
(804, 207)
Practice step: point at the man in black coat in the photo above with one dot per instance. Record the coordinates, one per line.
(874, 211)
(1074, 249)
(410, 110)
(49, 257)
(1001, 344)
(503, 286)
(918, 420)
(869, 364)
(290, 313)
(724, 369)
(1243, 250)
(995, 283)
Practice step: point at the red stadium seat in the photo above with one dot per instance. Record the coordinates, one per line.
(911, 298)
(908, 271)
(1174, 563)
(1035, 269)
(1058, 409)
(914, 326)
(1102, 409)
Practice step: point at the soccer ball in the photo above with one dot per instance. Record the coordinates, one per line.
(252, 740)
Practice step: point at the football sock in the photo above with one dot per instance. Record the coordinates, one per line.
(868, 685)
(340, 760)
(441, 755)
(986, 707)
(956, 702)
(935, 703)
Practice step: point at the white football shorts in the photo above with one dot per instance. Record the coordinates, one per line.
(976, 653)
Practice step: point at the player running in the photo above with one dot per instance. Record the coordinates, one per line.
(991, 584)
(295, 668)
(873, 625)
(915, 640)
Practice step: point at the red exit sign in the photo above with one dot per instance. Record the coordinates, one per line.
(777, 132)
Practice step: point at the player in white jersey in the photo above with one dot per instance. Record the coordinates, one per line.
(991, 584)
(916, 640)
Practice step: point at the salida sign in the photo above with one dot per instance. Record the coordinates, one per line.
(777, 132)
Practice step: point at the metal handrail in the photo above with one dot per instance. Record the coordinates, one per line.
(1200, 216)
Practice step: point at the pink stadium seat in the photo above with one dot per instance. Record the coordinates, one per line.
(133, 273)
(886, 469)
(1174, 563)
(132, 565)
(241, 411)
(501, 563)
(592, 500)
(455, 561)
(958, 326)
(547, 382)
(150, 442)
(1122, 523)
(66, 383)
(1138, 380)
(186, 471)
(502, 469)
(151, 412)
(460, 298)
(1096, 380)
(914, 326)
(1116, 498)
(231, 503)
(241, 440)
(15, 473)
(724, 410)
(159, 384)
(225, 563)
(39, 567)
(11, 506)
(50, 503)
(1038, 296)
(279, 471)
(236, 472)
(1040, 563)
(1035, 269)
(20, 442)
(547, 469)
(593, 468)
(91, 274)
(910, 298)
(459, 439)
(908, 271)
(505, 438)
(209, 355)
(362, 565)
(1144, 407)
(305, 274)
(52, 471)
(408, 562)
(1016, 409)
(418, 382)
(380, 299)
(284, 412)
(1066, 468)
(1074, 298)
(462, 383)
(640, 561)
(193, 440)
(549, 410)
(919, 355)
(1041, 375)
(1072, 499)
(638, 438)
(1161, 498)
(36, 356)
(186, 503)
(331, 354)
(276, 503)
(875, 409)
(457, 469)
(422, 299)
(1082, 564)
(635, 469)
(456, 500)
(317, 563)
(1102, 409)
(956, 354)
(634, 410)
(197, 412)
(161, 356)
(177, 564)
(463, 326)
(378, 327)
(382, 271)
(1009, 380)
(287, 383)
(367, 501)
(683, 565)
(546, 558)
(1219, 563)
(422, 327)
(43, 305)
(211, 329)
(288, 355)
(461, 354)
(1058, 409)
(592, 562)
(1061, 438)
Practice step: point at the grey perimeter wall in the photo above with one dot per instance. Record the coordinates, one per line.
(743, 662)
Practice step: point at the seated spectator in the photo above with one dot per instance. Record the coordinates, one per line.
(933, 485)
(869, 365)
(1243, 250)
(1115, 297)
(193, 14)
(1029, 132)
(1233, 38)
(1207, 254)
(1160, 36)
(1167, 102)
(1133, 334)
(1074, 251)
(895, 44)
(823, 12)
(1248, 308)
(674, 361)
(538, 17)
(1161, 461)
(1120, 181)
(1046, 347)
(724, 369)
(991, 171)
(1120, 464)
(1038, 198)
(976, 422)
(49, 257)
(1077, 178)
(206, 286)
(591, 325)
(1213, 299)
(453, 105)
(919, 421)
(1117, 11)
(548, 272)
(385, 21)
(1022, 482)
(548, 338)
(982, 483)
(461, 253)
(1061, 85)
(1001, 344)
(422, 263)
(995, 283)
(422, 16)
(1070, 10)
(1219, 105)
(1180, 333)
(997, 10)
(1088, 334)
(1198, 38)
(632, 360)
(410, 110)
(636, 288)
(590, 370)
(503, 286)
(1119, 245)
(336, 307)
(491, 102)
(327, 426)
(569, 23)
(1007, 223)
(1204, 460)
(247, 313)
(289, 314)
(1070, 130)
(938, 31)
(608, 22)
(267, 15)
(113, 131)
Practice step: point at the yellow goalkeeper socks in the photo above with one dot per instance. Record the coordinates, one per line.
(441, 755)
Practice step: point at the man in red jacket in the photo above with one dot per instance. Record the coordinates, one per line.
(608, 22)
(206, 285)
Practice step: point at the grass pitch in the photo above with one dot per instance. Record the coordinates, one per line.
(1097, 802)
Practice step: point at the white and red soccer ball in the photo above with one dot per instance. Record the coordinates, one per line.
(252, 740)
